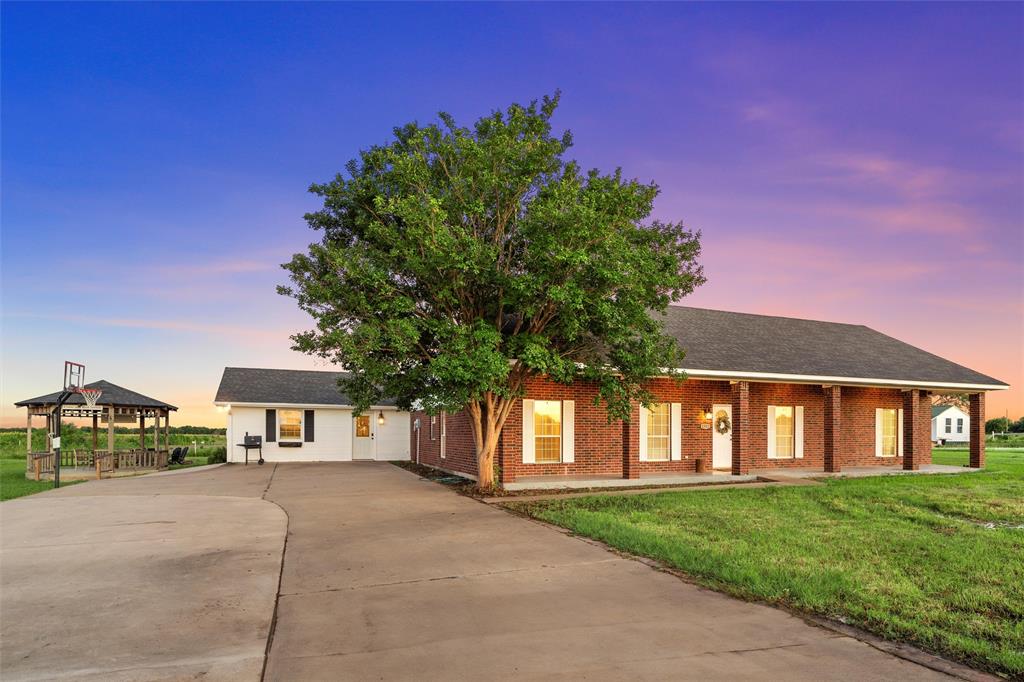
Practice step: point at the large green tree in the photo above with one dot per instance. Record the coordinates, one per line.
(458, 262)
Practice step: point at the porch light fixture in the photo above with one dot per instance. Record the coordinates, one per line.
(380, 417)
(708, 414)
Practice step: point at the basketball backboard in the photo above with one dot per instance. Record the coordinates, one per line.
(74, 375)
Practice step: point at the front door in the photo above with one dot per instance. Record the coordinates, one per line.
(362, 437)
(721, 439)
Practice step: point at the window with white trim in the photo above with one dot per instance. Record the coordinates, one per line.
(547, 431)
(890, 432)
(960, 425)
(949, 425)
(433, 423)
(785, 432)
(289, 425)
(659, 432)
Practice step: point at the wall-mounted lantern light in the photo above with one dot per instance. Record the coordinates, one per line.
(380, 417)
(708, 414)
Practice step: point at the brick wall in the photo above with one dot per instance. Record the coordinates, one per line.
(858, 425)
(460, 453)
(811, 398)
(599, 444)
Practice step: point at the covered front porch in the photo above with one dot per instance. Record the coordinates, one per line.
(116, 406)
(721, 477)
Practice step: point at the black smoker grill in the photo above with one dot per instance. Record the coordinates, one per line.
(252, 443)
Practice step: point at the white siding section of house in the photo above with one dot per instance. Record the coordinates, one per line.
(332, 436)
(392, 437)
(939, 426)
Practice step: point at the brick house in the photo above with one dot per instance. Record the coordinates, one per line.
(763, 393)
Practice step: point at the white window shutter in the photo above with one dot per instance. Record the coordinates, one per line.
(798, 431)
(899, 433)
(771, 432)
(677, 432)
(568, 431)
(529, 446)
(643, 433)
(878, 432)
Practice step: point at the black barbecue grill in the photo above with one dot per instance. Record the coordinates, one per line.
(252, 443)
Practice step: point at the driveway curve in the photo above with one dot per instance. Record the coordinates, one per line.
(388, 576)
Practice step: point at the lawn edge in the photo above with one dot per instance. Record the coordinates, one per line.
(907, 652)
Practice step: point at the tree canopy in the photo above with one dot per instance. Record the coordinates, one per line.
(456, 262)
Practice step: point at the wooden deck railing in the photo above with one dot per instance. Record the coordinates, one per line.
(39, 463)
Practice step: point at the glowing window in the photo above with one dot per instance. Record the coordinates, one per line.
(784, 434)
(289, 424)
(363, 426)
(659, 424)
(890, 421)
(547, 430)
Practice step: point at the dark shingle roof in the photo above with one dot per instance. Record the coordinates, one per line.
(112, 395)
(741, 342)
(939, 409)
(282, 387)
(713, 340)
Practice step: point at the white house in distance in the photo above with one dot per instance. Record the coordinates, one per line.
(302, 417)
(950, 424)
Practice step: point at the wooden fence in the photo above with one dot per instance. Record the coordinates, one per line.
(39, 463)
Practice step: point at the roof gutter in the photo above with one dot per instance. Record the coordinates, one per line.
(823, 379)
(325, 406)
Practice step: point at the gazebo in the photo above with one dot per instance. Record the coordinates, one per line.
(116, 405)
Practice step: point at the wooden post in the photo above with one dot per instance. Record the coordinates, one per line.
(110, 429)
(142, 429)
(156, 429)
(95, 437)
(28, 432)
(49, 431)
(167, 430)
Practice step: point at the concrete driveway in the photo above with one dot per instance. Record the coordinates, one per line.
(387, 576)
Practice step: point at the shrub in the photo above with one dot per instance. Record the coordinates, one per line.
(217, 455)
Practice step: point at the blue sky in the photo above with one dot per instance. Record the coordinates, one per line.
(862, 163)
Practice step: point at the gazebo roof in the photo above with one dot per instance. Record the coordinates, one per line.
(112, 395)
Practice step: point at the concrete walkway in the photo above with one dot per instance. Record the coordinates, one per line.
(387, 576)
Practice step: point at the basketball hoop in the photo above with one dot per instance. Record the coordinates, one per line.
(90, 395)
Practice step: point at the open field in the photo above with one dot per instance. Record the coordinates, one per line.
(936, 561)
(12, 442)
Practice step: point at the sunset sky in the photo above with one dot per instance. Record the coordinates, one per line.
(857, 163)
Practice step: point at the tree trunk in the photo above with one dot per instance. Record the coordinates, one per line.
(487, 417)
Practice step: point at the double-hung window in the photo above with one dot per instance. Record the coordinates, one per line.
(547, 430)
(785, 432)
(659, 432)
(960, 425)
(889, 432)
(949, 425)
(289, 425)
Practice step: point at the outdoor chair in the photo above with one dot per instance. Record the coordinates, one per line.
(177, 456)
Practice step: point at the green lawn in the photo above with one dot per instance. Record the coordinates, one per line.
(937, 561)
(14, 484)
